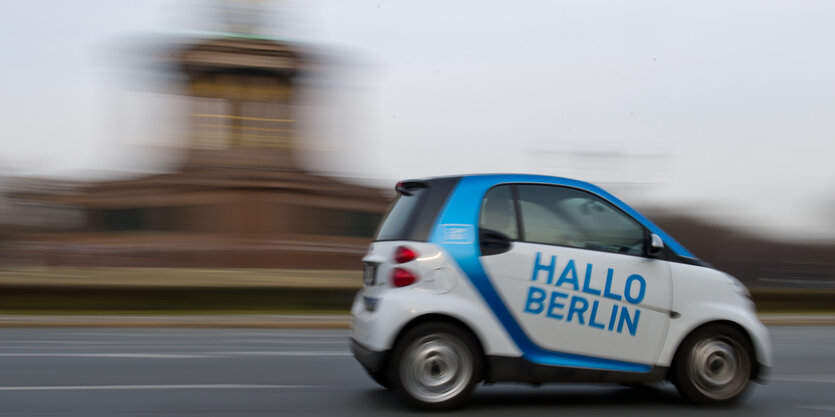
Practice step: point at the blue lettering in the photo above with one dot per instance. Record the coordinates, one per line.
(574, 308)
(537, 266)
(631, 322)
(613, 317)
(627, 293)
(607, 290)
(587, 282)
(564, 277)
(553, 303)
(535, 298)
(593, 316)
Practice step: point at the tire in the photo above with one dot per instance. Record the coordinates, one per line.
(713, 365)
(381, 378)
(436, 366)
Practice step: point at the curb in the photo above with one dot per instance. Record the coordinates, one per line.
(281, 321)
(284, 321)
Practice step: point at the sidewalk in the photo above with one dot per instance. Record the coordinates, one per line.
(288, 321)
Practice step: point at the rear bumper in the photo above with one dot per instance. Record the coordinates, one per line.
(371, 360)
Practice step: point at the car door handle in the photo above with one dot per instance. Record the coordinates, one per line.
(493, 242)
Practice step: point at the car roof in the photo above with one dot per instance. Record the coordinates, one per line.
(500, 178)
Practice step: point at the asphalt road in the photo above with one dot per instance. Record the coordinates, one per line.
(244, 372)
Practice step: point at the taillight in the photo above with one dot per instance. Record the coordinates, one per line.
(403, 254)
(401, 277)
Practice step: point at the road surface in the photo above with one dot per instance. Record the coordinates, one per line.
(273, 372)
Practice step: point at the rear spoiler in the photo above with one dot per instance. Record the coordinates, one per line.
(406, 187)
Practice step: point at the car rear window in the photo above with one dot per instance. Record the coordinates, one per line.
(397, 223)
(412, 215)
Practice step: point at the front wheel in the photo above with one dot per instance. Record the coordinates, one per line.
(436, 366)
(713, 365)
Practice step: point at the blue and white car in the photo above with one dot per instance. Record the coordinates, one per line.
(541, 279)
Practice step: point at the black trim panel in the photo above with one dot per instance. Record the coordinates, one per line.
(673, 257)
(761, 373)
(518, 369)
(440, 189)
(371, 360)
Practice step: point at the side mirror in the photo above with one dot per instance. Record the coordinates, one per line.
(655, 245)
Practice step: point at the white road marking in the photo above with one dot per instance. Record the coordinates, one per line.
(153, 387)
(66, 342)
(106, 355)
(827, 379)
(295, 339)
(279, 353)
(340, 341)
(129, 355)
(15, 343)
(818, 407)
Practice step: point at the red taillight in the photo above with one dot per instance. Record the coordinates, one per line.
(402, 277)
(403, 254)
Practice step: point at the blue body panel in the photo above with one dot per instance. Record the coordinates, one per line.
(462, 211)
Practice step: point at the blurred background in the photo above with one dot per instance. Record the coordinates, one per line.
(237, 155)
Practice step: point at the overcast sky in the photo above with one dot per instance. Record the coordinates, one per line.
(724, 109)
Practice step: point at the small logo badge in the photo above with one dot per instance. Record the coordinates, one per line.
(457, 233)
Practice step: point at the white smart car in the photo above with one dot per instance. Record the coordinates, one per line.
(541, 279)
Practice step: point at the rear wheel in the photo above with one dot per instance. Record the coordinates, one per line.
(436, 366)
(713, 365)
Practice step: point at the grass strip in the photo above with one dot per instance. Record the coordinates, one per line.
(39, 299)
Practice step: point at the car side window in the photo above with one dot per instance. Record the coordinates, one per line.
(570, 217)
(498, 212)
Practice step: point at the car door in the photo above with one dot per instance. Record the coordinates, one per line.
(575, 278)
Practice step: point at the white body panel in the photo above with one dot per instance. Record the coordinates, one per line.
(585, 302)
(442, 288)
(702, 295)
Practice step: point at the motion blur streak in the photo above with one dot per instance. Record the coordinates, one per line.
(229, 145)
(332, 385)
(151, 387)
(235, 156)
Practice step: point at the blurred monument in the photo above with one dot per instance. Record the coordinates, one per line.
(239, 199)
